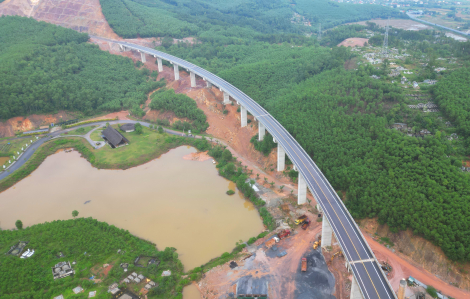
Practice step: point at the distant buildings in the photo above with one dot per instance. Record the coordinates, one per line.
(61, 270)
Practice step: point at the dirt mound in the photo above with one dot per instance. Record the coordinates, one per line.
(354, 42)
(21, 124)
(80, 15)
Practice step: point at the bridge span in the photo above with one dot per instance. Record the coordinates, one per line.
(368, 279)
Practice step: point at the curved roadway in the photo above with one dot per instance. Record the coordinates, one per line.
(415, 17)
(369, 276)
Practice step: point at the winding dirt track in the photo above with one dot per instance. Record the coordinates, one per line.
(404, 268)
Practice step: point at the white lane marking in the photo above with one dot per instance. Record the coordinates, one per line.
(360, 278)
(381, 279)
(362, 261)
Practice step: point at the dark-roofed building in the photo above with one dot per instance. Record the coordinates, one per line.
(128, 128)
(114, 138)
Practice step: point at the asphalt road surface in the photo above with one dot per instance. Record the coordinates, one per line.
(369, 276)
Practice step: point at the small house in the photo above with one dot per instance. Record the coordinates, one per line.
(114, 138)
(137, 280)
(134, 274)
(128, 128)
(141, 277)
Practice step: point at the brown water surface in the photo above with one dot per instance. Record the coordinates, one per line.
(170, 201)
(191, 292)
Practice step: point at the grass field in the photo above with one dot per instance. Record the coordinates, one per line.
(96, 135)
(81, 131)
(143, 147)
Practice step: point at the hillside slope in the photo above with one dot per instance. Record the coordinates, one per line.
(82, 16)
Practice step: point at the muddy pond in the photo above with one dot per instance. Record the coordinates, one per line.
(170, 201)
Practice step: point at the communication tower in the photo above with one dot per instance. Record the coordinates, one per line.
(385, 48)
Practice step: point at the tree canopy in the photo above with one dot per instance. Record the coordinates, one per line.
(45, 68)
(32, 277)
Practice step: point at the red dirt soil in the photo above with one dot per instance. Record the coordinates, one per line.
(21, 124)
(403, 268)
(80, 15)
(354, 42)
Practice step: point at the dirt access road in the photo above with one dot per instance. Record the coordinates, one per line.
(402, 268)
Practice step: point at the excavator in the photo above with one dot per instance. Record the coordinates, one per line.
(338, 253)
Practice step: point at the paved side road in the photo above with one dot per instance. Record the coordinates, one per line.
(30, 150)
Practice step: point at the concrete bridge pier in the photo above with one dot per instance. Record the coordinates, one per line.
(177, 71)
(227, 101)
(326, 232)
(261, 131)
(302, 190)
(209, 85)
(355, 290)
(243, 116)
(142, 57)
(160, 64)
(281, 158)
(193, 79)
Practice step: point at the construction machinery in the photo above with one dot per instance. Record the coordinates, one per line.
(304, 264)
(283, 234)
(300, 220)
(316, 244)
(271, 242)
(338, 253)
(306, 224)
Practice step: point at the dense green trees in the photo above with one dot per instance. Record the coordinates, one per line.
(453, 96)
(32, 277)
(45, 68)
(331, 14)
(183, 107)
(183, 18)
(407, 182)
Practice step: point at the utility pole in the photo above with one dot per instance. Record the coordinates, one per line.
(319, 31)
(385, 48)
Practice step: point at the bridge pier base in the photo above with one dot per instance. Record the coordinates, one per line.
(243, 116)
(177, 72)
(281, 158)
(261, 131)
(209, 85)
(302, 190)
(326, 232)
(227, 101)
(355, 290)
(193, 79)
(160, 64)
(142, 57)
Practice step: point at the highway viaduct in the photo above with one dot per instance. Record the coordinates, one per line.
(369, 281)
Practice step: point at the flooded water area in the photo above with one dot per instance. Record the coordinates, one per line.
(170, 201)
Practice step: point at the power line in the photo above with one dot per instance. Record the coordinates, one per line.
(319, 31)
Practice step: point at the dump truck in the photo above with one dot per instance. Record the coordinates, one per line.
(304, 264)
(300, 220)
(306, 224)
(283, 234)
(271, 242)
